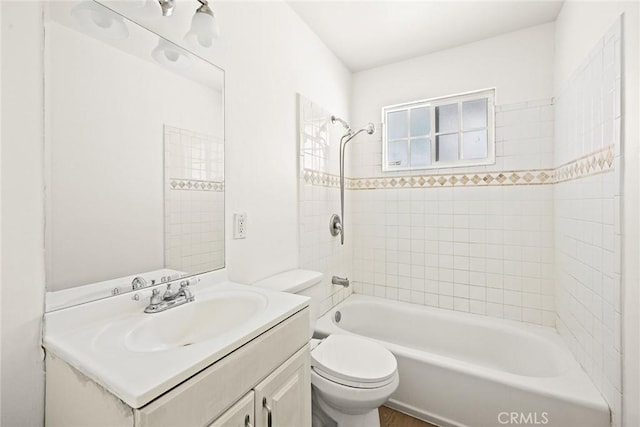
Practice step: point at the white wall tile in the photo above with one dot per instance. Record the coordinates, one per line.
(194, 237)
(463, 246)
(317, 249)
(587, 222)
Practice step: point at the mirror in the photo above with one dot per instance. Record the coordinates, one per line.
(134, 137)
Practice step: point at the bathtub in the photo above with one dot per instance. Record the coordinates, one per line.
(459, 369)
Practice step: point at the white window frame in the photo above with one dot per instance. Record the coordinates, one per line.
(488, 94)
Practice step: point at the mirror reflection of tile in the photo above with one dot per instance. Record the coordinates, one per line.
(194, 187)
(315, 124)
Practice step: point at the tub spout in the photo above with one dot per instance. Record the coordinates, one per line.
(342, 281)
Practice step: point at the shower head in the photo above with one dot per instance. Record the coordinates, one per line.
(370, 128)
(342, 122)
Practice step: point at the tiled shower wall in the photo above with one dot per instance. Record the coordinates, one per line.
(194, 201)
(587, 216)
(319, 198)
(535, 237)
(473, 239)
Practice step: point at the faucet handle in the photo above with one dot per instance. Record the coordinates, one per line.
(168, 293)
(189, 282)
(185, 289)
(155, 296)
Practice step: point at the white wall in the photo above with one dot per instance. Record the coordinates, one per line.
(1, 50)
(22, 215)
(518, 64)
(268, 54)
(578, 28)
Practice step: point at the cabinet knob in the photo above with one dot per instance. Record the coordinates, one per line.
(266, 406)
(247, 421)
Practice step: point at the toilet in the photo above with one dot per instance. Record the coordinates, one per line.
(350, 376)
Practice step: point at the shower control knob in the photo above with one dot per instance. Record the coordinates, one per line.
(335, 225)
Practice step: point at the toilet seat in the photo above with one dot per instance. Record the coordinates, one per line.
(353, 361)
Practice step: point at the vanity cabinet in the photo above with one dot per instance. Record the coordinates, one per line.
(284, 396)
(273, 368)
(239, 415)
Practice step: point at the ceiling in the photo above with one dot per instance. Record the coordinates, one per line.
(367, 34)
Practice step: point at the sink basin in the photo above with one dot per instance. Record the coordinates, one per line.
(138, 356)
(194, 322)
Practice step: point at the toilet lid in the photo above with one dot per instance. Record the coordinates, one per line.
(353, 361)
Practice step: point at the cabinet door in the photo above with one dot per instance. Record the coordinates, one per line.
(283, 399)
(239, 415)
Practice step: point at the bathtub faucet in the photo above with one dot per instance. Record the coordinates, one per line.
(342, 281)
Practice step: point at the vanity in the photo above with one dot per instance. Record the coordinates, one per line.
(236, 356)
(135, 201)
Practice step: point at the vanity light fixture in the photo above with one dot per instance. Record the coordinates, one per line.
(99, 21)
(170, 56)
(167, 7)
(145, 9)
(204, 26)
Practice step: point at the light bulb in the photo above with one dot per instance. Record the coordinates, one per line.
(170, 55)
(145, 9)
(99, 21)
(204, 27)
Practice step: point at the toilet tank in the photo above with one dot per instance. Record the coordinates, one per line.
(301, 282)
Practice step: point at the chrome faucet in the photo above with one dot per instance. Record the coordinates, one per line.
(170, 298)
(342, 281)
(138, 282)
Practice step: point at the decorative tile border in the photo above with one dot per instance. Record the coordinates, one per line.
(322, 179)
(595, 163)
(483, 179)
(195, 185)
(592, 164)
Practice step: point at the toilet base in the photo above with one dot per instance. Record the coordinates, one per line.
(324, 415)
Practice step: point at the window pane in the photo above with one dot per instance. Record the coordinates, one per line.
(397, 124)
(420, 152)
(398, 155)
(420, 121)
(474, 114)
(447, 148)
(447, 118)
(474, 145)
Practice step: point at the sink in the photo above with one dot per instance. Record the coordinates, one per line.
(194, 322)
(139, 356)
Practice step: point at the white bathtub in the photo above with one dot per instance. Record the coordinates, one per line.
(459, 369)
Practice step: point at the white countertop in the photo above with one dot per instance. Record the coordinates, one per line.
(92, 338)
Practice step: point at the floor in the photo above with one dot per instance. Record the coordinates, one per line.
(391, 418)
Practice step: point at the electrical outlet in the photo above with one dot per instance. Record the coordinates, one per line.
(240, 225)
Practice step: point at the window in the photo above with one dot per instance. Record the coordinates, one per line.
(441, 132)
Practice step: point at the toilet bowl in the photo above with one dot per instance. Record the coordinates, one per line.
(350, 376)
